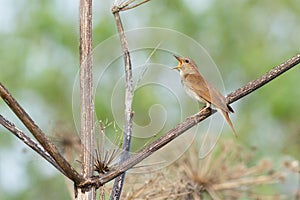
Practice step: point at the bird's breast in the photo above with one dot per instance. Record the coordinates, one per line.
(192, 94)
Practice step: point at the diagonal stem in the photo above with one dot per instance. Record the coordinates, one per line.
(29, 142)
(127, 7)
(267, 77)
(39, 135)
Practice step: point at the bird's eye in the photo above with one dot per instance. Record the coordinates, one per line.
(186, 61)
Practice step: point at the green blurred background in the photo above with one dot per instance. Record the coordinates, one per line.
(39, 62)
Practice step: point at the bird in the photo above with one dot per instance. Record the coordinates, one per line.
(199, 89)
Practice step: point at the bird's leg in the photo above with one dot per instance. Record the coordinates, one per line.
(207, 106)
(204, 108)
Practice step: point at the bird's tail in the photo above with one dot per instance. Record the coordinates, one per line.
(227, 119)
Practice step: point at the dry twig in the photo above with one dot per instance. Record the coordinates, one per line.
(127, 5)
(118, 184)
(29, 142)
(40, 136)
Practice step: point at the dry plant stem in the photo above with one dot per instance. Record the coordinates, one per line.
(118, 184)
(247, 181)
(127, 7)
(29, 142)
(190, 122)
(40, 136)
(86, 95)
(156, 145)
(267, 77)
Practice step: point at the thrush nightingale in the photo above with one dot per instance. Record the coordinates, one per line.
(200, 90)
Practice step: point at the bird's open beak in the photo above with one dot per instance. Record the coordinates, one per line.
(179, 62)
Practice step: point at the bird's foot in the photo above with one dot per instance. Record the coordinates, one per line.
(205, 109)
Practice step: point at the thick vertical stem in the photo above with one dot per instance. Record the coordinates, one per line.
(86, 95)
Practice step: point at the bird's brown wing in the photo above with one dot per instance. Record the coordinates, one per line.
(207, 91)
(197, 83)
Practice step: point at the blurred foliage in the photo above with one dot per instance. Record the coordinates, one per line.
(39, 62)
